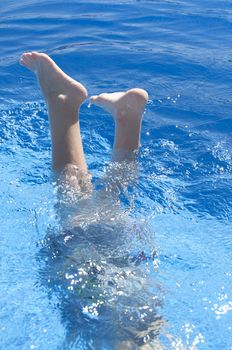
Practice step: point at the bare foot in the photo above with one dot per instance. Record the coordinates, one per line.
(127, 109)
(53, 81)
(64, 97)
(122, 104)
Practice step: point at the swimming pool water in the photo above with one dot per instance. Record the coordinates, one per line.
(180, 207)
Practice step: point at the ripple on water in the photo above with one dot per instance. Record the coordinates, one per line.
(169, 272)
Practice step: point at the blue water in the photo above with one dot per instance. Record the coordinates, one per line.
(180, 207)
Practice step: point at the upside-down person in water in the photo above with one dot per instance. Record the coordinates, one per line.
(64, 97)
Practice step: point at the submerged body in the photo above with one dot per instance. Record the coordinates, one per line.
(103, 281)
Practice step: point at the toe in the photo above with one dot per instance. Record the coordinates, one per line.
(35, 54)
(94, 98)
(27, 60)
(23, 61)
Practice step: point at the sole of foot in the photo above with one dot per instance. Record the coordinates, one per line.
(53, 81)
(122, 104)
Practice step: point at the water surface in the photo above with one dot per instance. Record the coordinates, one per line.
(180, 207)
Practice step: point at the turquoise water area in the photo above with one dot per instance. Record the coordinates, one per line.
(155, 268)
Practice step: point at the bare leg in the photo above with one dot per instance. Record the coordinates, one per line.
(127, 110)
(64, 97)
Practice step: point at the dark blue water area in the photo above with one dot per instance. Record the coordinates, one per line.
(177, 293)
